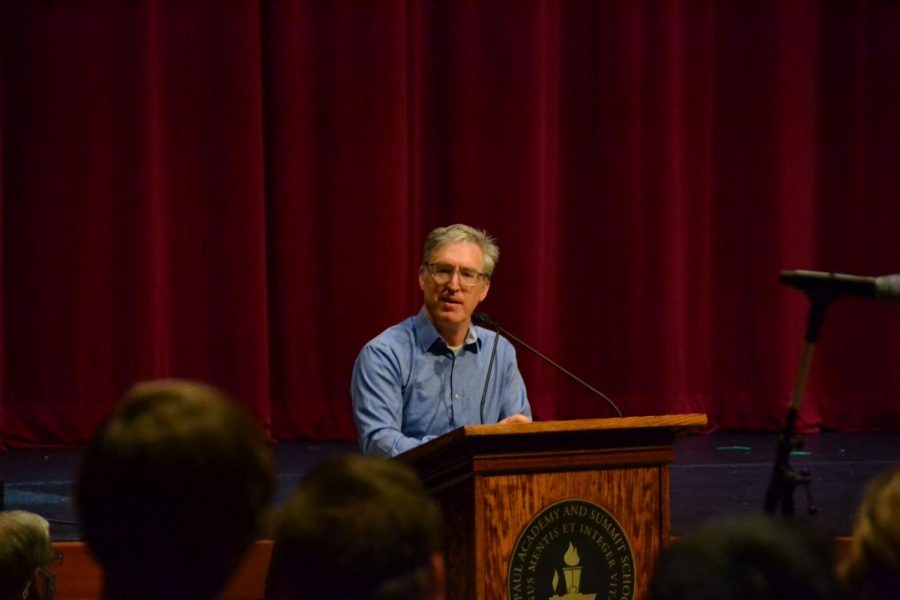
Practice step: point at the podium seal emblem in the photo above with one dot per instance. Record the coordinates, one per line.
(572, 550)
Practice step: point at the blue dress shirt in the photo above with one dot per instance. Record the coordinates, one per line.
(408, 387)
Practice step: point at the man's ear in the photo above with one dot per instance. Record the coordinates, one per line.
(438, 577)
(484, 292)
(422, 278)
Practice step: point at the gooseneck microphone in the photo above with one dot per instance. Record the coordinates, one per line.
(490, 367)
(828, 286)
(483, 319)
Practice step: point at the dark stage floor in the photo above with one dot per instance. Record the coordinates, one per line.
(713, 475)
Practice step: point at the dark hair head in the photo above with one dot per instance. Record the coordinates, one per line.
(356, 527)
(751, 558)
(172, 489)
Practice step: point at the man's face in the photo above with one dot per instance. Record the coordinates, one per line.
(451, 304)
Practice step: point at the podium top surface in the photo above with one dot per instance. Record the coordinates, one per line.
(677, 423)
(552, 433)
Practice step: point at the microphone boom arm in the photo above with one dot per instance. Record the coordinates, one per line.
(481, 318)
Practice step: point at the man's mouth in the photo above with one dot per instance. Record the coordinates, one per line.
(450, 301)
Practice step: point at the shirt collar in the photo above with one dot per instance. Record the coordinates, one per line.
(427, 335)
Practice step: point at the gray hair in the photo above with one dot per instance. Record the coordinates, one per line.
(24, 547)
(454, 234)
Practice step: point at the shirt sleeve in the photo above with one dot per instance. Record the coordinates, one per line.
(376, 390)
(514, 399)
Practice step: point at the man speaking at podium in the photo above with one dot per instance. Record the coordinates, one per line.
(426, 375)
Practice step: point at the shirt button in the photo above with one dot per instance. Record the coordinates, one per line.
(456, 396)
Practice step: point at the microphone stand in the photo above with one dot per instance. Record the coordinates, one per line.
(780, 491)
(480, 318)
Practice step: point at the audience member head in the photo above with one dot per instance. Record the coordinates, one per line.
(25, 557)
(871, 568)
(358, 527)
(751, 558)
(172, 491)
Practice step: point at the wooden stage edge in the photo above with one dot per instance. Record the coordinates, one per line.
(78, 577)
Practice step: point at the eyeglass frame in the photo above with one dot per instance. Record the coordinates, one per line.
(430, 267)
(56, 558)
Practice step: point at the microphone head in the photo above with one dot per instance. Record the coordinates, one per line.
(829, 285)
(482, 319)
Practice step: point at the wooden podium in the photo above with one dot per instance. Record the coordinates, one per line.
(492, 481)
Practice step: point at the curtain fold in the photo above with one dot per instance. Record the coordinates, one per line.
(238, 192)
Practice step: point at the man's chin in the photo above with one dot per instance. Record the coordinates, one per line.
(455, 316)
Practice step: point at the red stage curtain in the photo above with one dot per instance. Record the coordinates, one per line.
(238, 192)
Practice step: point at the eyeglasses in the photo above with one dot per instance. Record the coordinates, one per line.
(442, 273)
(56, 558)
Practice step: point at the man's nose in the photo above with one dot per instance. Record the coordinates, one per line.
(453, 283)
